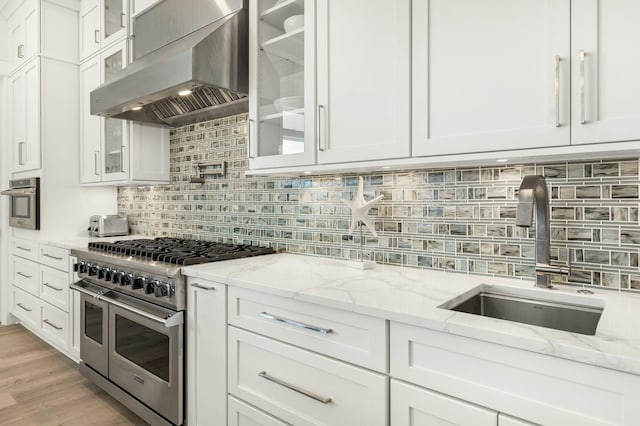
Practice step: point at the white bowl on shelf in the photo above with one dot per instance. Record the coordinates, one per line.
(289, 103)
(292, 23)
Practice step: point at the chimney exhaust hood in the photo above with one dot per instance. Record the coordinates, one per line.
(190, 64)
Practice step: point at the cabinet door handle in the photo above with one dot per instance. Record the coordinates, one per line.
(557, 89)
(96, 35)
(49, 323)
(23, 248)
(50, 256)
(200, 286)
(96, 162)
(122, 158)
(295, 323)
(21, 51)
(20, 154)
(250, 139)
(582, 89)
(322, 145)
(51, 287)
(294, 388)
(22, 274)
(24, 307)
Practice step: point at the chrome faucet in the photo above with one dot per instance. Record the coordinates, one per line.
(534, 193)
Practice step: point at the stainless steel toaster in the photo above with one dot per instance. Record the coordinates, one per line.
(108, 225)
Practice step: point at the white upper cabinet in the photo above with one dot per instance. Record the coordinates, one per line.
(25, 112)
(102, 22)
(332, 88)
(605, 36)
(23, 34)
(282, 90)
(114, 151)
(364, 80)
(490, 75)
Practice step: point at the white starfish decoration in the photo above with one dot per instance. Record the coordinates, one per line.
(360, 209)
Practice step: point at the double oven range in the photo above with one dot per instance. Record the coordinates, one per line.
(132, 316)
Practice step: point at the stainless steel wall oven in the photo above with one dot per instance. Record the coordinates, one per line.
(24, 203)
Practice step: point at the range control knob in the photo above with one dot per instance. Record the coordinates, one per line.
(127, 279)
(81, 267)
(102, 273)
(93, 270)
(163, 290)
(151, 287)
(139, 283)
(108, 274)
(117, 277)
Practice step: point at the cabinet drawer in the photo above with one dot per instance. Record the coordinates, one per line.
(25, 274)
(55, 326)
(54, 256)
(510, 380)
(243, 414)
(414, 406)
(24, 248)
(348, 336)
(54, 287)
(301, 387)
(26, 308)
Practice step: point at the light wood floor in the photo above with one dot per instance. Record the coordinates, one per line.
(40, 386)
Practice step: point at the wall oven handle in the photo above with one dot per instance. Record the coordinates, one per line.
(20, 192)
(171, 321)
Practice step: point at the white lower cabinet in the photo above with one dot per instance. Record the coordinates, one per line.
(415, 406)
(41, 299)
(301, 387)
(206, 353)
(243, 414)
(26, 307)
(537, 388)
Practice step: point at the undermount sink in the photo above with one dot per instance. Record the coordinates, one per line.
(544, 308)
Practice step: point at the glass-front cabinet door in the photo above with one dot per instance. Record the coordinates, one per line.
(282, 110)
(115, 131)
(115, 15)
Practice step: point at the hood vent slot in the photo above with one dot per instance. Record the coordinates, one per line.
(200, 98)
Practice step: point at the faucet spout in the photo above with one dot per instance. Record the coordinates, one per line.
(533, 193)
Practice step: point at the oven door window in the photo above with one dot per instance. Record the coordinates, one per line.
(143, 346)
(93, 321)
(20, 206)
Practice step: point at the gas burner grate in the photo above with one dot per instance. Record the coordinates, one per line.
(179, 251)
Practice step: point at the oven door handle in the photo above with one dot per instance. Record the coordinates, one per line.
(170, 321)
(24, 192)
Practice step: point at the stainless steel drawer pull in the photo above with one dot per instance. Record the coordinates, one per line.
(49, 323)
(22, 274)
(583, 119)
(52, 257)
(96, 33)
(21, 51)
(296, 323)
(96, 163)
(557, 89)
(200, 286)
(20, 154)
(306, 393)
(123, 17)
(23, 248)
(51, 287)
(24, 307)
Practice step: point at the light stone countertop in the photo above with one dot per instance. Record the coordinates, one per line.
(82, 242)
(412, 296)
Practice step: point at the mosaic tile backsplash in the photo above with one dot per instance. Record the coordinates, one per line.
(452, 219)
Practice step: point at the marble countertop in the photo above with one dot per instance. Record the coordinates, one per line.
(82, 242)
(412, 296)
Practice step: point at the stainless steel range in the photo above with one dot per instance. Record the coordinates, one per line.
(133, 298)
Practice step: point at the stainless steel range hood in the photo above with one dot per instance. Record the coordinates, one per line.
(199, 46)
